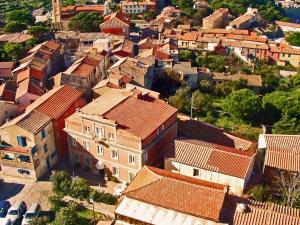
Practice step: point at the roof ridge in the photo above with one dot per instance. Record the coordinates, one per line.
(216, 149)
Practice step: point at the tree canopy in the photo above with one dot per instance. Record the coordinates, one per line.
(61, 182)
(243, 104)
(293, 39)
(86, 22)
(22, 16)
(66, 216)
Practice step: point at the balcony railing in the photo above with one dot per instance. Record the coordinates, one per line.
(17, 164)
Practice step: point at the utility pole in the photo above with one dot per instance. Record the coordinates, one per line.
(192, 100)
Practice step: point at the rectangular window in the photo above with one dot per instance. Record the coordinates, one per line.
(74, 141)
(21, 141)
(145, 157)
(115, 171)
(99, 132)
(100, 149)
(131, 159)
(86, 145)
(86, 129)
(43, 133)
(131, 175)
(114, 154)
(54, 154)
(195, 172)
(111, 136)
(45, 148)
(87, 162)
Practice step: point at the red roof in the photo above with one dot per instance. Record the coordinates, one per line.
(179, 193)
(206, 132)
(59, 102)
(6, 68)
(142, 115)
(116, 19)
(30, 73)
(258, 213)
(208, 156)
(283, 152)
(6, 93)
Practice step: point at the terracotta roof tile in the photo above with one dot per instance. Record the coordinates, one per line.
(287, 24)
(283, 152)
(33, 122)
(258, 213)
(210, 156)
(59, 102)
(176, 192)
(134, 112)
(209, 133)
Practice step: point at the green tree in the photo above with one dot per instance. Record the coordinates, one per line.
(14, 26)
(39, 32)
(61, 182)
(187, 55)
(293, 39)
(181, 100)
(14, 51)
(22, 16)
(56, 201)
(114, 7)
(243, 104)
(185, 5)
(67, 216)
(273, 105)
(80, 188)
(39, 221)
(202, 102)
(150, 15)
(86, 22)
(287, 125)
(205, 86)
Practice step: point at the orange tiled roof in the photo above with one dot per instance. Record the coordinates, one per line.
(283, 152)
(27, 86)
(34, 122)
(96, 8)
(8, 91)
(194, 129)
(142, 115)
(59, 102)
(287, 24)
(209, 156)
(258, 213)
(173, 191)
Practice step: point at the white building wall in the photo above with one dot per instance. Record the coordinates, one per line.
(236, 185)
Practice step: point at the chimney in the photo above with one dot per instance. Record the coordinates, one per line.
(137, 93)
(241, 207)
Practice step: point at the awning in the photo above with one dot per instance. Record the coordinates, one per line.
(100, 165)
(156, 215)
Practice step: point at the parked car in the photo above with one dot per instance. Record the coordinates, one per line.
(16, 211)
(5, 221)
(4, 206)
(33, 212)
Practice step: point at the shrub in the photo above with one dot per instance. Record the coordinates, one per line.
(105, 198)
(80, 188)
(67, 216)
(61, 182)
(260, 193)
(56, 202)
(114, 179)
